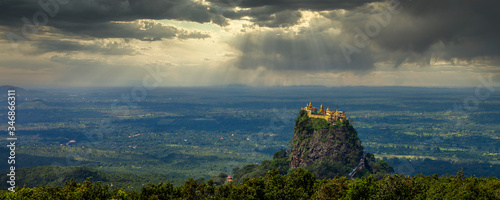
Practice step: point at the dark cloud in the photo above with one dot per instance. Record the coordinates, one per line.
(417, 32)
(270, 17)
(315, 5)
(102, 18)
(106, 48)
(146, 30)
(461, 29)
(281, 13)
(96, 11)
(263, 13)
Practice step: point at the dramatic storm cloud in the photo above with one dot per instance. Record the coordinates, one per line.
(463, 30)
(357, 39)
(255, 42)
(95, 11)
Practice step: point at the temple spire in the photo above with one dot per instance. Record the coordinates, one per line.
(321, 110)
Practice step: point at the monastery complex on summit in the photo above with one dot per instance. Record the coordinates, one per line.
(328, 115)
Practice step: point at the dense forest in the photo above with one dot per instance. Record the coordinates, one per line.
(301, 184)
(56, 176)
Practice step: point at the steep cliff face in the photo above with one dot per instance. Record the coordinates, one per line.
(324, 148)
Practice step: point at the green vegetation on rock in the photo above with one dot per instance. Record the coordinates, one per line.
(330, 149)
(324, 148)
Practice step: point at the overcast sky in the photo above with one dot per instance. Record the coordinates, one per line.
(251, 42)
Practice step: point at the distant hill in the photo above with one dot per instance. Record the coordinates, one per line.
(37, 104)
(20, 91)
(4, 88)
